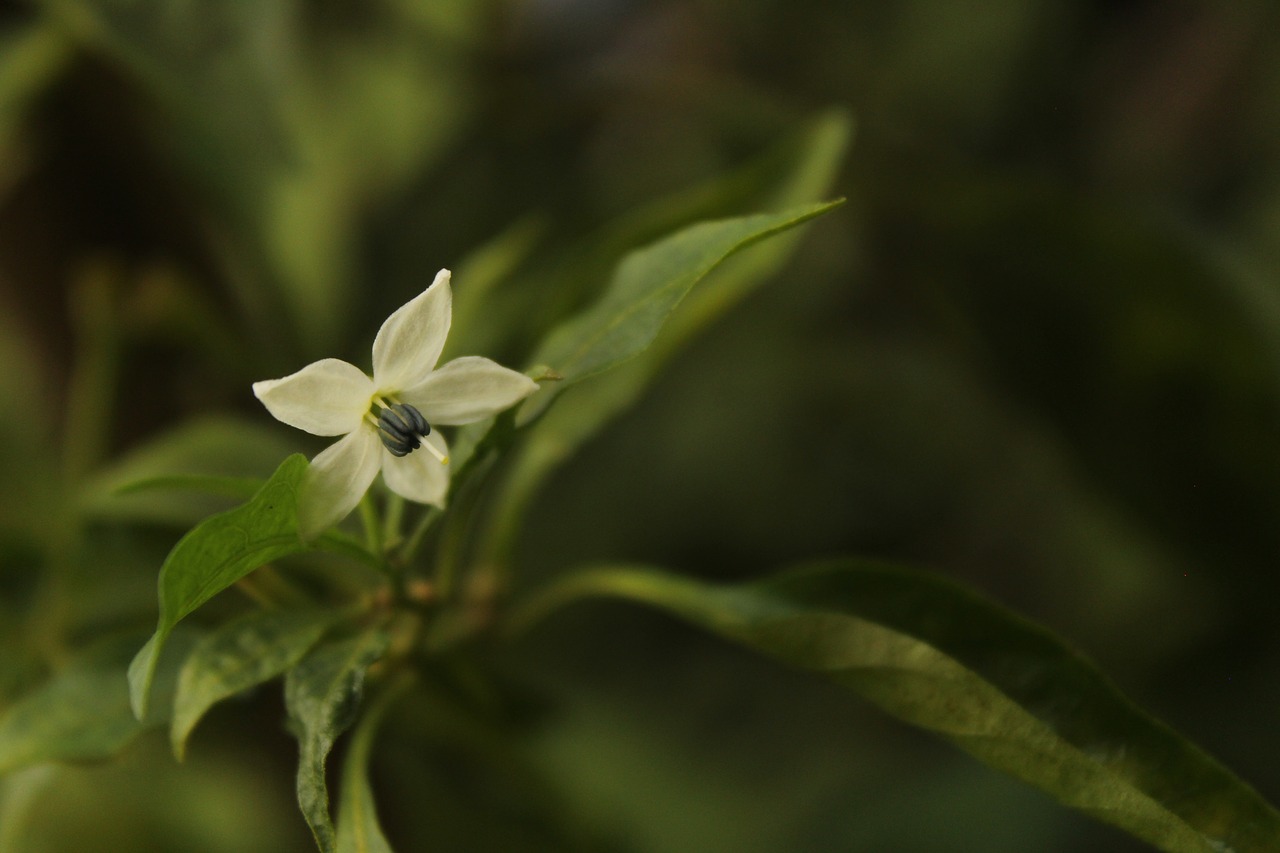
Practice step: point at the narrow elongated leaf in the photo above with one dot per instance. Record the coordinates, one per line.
(648, 286)
(240, 655)
(217, 553)
(322, 694)
(358, 827)
(83, 713)
(1005, 690)
(800, 171)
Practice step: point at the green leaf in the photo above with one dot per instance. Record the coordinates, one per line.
(217, 553)
(1005, 690)
(240, 655)
(358, 827)
(322, 694)
(808, 166)
(647, 287)
(83, 713)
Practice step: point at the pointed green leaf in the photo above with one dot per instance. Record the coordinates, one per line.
(801, 170)
(322, 694)
(1005, 690)
(647, 287)
(215, 554)
(240, 655)
(83, 713)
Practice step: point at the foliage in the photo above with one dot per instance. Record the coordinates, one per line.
(1033, 351)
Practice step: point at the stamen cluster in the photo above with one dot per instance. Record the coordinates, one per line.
(402, 428)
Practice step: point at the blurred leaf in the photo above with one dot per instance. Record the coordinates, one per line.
(358, 827)
(1005, 690)
(30, 59)
(140, 486)
(83, 713)
(18, 794)
(475, 278)
(647, 287)
(231, 487)
(217, 553)
(365, 116)
(240, 655)
(198, 59)
(322, 694)
(293, 129)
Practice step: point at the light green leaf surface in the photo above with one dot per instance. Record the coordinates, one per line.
(322, 694)
(240, 655)
(1005, 690)
(647, 287)
(217, 553)
(83, 712)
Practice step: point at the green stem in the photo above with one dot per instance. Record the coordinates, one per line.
(420, 530)
(372, 527)
(391, 523)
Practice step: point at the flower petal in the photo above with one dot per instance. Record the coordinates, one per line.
(327, 397)
(409, 342)
(468, 389)
(337, 480)
(419, 476)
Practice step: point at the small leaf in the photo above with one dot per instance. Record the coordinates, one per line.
(83, 713)
(322, 694)
(217, 553)
(647, 287)
(240, 655)
(1003, 689)
(358, 827)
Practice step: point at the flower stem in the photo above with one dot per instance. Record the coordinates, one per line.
(372, 527)
(391, 534)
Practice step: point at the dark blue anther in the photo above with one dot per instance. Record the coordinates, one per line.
(401, 428)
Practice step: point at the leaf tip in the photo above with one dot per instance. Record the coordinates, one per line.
(142, 671)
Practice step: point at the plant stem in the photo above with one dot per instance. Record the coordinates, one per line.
(391, 523)
(420, 530)
(372, 527)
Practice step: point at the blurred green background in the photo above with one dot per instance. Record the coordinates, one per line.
(1037, 351)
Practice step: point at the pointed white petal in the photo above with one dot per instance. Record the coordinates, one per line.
(419, 476)
(468, 389)
(327, 397)
(409, 342)
(337, 480)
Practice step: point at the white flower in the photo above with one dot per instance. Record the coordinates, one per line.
(384, 420)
